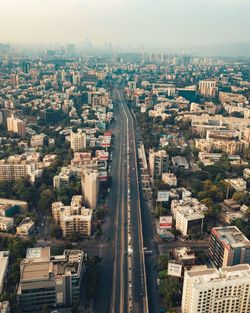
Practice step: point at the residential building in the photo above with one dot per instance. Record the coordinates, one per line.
(74, 218)
(10, 207)
(239, 184)
(246, 173)
(184, 256)
(4, 261)
(6, 223)
(188, 214)
(37, 141)
(208, 88)
(26, 227)
(78, 140)
(169, 179)
(228, 246)
(15, 125)
(222, 291)
(158, 163)
(90, 187)
(51, 281)
(63, 178)
(26, 165)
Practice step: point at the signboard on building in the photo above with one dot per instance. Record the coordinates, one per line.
(162, 196)
(165, 222)
(174, 269)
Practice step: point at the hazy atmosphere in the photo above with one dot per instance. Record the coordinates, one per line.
(151, 22)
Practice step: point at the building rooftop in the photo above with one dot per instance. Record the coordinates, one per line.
(213, 276)
(231, 236)
(40, 265)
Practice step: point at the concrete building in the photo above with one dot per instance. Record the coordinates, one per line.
(6, 223)
(74, 218)
(5, 307)
(63, 178)
(239, 184)
(26, 227)
(78, 140)
(49, 280)
(246, 173)
(184, 256)
(188, 214)
(228, 246)
(169, 179)
(37, 141)
(4, 261)
(208, 88)
(90, 187)
(9, 207)
(15, 125)
(158, 163)
(217, 291)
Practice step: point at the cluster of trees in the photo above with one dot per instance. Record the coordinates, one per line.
(170, 288)
(17, 251)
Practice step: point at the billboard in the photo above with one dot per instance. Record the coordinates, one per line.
(165, 222)
(102, 175)
(174, 269)
(162, 196)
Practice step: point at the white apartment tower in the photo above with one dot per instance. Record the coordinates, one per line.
(217, 291)
(78, 140)
(90, 187)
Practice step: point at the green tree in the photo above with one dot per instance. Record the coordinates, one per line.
(46, 198)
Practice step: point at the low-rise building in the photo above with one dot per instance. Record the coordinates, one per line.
(184, 255)
(169, 179)
(63, 178)
(74, 218)
(246, 173)
(239, 184)
(37, 141)
(26, 227)
(9, 207)
(6, 223)
(188, 214)
(180, 162)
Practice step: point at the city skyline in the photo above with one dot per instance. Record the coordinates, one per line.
(165, 24)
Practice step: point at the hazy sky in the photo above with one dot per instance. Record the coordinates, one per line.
(151, 22)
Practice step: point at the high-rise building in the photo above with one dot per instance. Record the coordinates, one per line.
(208, 88)
(228, 246)
(4, 261)
(158, 163)
(217, 291)
(73, 218)
(16, 125)
(51, 281)
(90, 187)
(78, 140)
